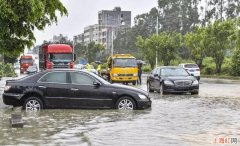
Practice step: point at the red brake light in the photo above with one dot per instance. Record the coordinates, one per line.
(6, 88)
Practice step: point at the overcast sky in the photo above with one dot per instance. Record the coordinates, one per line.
(82, 13)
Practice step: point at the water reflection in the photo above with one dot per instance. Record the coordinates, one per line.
(55, 127)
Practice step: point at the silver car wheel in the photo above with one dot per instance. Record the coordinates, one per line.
(33, 105)
(125, 104)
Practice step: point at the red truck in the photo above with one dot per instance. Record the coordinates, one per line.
(25, 62)
(56, 56)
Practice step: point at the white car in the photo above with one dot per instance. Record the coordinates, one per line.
(192, 69)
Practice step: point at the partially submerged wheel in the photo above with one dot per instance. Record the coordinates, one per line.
(161, 91)
(33, 104)
(194, 93)
(149, 88)
(126, 103)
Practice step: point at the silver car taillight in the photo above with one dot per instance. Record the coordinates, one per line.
(6, 88)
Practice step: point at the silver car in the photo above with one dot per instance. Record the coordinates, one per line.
(192, 69)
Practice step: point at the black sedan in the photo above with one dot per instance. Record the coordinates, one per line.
(171, 79)
(72, 89)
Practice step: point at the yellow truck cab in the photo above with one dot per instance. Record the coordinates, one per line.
(122, 68)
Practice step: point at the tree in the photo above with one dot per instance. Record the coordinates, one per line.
(166, 44)
(93, 50)
(80, 50)
(236, 54)
(220, 35)
(197, 43)
(149, 53)
(236, 63)
(221, 9)
(18, 20)
(178, 15)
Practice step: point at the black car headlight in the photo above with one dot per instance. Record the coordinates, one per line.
(143, 97)
(168, 83)
(195, 83)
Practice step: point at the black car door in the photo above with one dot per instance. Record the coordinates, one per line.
(87, 95)
(156, 81)
(151, 78)
(55, 87)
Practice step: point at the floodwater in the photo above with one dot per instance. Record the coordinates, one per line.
(173, 120)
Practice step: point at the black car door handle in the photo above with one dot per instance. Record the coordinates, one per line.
(74, 89)
(44, 87)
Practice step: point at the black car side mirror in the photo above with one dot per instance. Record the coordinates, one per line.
(96, 84)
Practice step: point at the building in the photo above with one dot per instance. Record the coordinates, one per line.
(79, 38)
(91, 34)
(110, 22)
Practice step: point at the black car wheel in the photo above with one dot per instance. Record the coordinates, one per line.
(161, 90)
(33, 104)
(194, 93)
(149, 88)
(126, 103)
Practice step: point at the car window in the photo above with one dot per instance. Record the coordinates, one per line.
(158, 71)
(55, 77)
(174, 72)
(81, 79)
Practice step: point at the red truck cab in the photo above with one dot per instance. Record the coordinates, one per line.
(25, 62)
(56, 56)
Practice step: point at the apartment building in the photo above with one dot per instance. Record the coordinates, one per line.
(110, 22)
(91, 33)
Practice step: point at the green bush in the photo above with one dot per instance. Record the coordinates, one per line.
(235, 65)
(146, 68)
(7, 70)
(226, 66)
(208, 66)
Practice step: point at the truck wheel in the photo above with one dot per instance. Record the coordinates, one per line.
(134, 82)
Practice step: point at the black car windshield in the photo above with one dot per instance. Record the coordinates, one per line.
(61, 57)
(174, 72)
(124, 62)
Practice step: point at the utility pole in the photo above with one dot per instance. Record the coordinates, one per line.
(157, 34)
(112, 41)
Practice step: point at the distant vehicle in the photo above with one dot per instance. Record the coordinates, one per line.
(122, 68)
(25, 62)
(32, 69)
(91, 70)
(67, 88)
(56, 56)
(192, 68)
(171, 79)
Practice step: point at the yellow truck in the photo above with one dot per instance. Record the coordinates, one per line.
(122, 68)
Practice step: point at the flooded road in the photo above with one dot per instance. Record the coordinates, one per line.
(173, 120)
